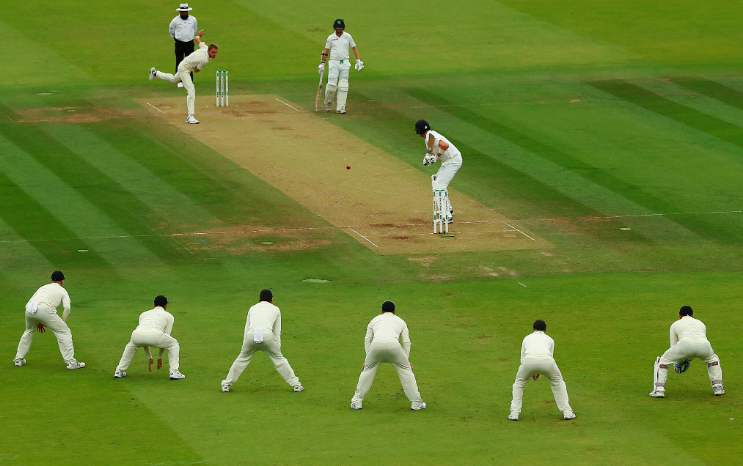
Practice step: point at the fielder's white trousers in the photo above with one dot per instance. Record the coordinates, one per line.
(546, 367)
(337, 71)
(271, 348)
(184, 77)
(687, 349)
(47, 316)
(154, 339)
(446, 173)
(381, 351)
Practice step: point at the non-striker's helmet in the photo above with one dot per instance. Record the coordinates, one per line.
(339, 24)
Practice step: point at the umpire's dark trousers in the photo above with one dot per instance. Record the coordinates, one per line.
(182, 50)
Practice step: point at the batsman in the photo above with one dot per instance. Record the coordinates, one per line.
(336, 50)
(440, 148)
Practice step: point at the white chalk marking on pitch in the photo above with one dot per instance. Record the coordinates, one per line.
(519, 231)
(370, 241)
(295, 109)
(522, 284)
(155, 107)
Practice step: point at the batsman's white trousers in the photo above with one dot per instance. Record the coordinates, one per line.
(271, 348)
(687, 348)
(182, 76)
(387, 350)
(544, 366)
(47, 316)
(446, 173)
(154, 339)
(337, 71)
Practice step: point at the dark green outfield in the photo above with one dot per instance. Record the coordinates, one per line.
(614, 130)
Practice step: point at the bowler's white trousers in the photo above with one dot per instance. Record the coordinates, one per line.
(687, 348)
(184, 77)
(544, 366)
(154, 339)
(271, 348)
(387, 350)
(47, 316)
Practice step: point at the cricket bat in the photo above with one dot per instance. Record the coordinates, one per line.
(319, 93)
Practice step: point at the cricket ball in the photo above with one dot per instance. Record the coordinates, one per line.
(348, 167)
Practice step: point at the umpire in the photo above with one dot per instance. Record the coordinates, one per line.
(183, 29)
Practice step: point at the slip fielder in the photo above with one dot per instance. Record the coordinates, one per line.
(688, 341)
(440, 148)
(336, 51)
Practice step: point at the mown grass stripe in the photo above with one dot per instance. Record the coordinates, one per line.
(714, 89)
(635, 194)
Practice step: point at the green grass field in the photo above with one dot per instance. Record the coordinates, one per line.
(614, 130)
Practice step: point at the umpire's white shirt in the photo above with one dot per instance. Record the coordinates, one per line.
(266, 316)
(387, 326)
(688, 328)
(338, 46)
(156, 319)
(449, 154)
(52, 295)
(537, 344)
(196, 59)
(183, 30)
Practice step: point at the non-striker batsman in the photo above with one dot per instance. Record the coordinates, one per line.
(336, 51)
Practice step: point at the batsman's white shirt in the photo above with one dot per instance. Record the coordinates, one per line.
(537, 344)
(387, 326)
(156, 319)
(52, 295)
(339, 46)
(688, 328)
(197, 59)
(449, 154)
(183, 30)
(266, 316)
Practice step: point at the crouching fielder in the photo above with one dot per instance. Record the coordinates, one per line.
(154, 330)
(382, 344)
(537, 352)
(688, 341)
(336, 47)
(440, 148)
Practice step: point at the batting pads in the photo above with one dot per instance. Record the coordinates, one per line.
(342, 94)
(330, 94)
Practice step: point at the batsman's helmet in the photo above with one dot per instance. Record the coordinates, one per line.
(339, 24)
(421, 126)
(57, 276)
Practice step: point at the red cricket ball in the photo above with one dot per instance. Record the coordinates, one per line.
(348, 167)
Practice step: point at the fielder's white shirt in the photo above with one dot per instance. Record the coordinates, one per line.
(156, 319)
(449, 153)
(688, 328)
(183, 30)
(387, 326)
(338, 46)
(537, 344)
(52, 295)
(197, 59)
(266, 316)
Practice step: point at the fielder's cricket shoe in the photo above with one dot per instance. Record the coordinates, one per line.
(298, 388)
(180, 84)
(73, 364)
(568, 415)
(153, 73)
(514, 416)
(355, 405)
(225, 388)
(175, 375)
(418, 406)
(716, 390)
(658, 394)
(19, 362)
(119, 374)
(192, 121)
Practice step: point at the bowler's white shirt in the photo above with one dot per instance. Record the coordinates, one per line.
(338, 46)
(688, 328)
(52, 295)
(446, 155)
(387, 326)
(538, 344)
(156, 319)
(183, 30)
(266, 316)
(197, 59)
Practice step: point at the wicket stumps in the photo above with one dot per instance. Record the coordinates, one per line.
(223, 88)
(440, 209)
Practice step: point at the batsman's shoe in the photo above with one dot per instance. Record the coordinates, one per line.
(119, 374)
(72, 365)
(175, 375)
(568, 415)
(180, 84)
(19, 362)
(342, 112)
(449, 220)
(225, 388)
(355, 405)
(658, 394)
(192, 121)
(514, 416)
(716, 390)
(298, 388)
(153, 73)
(418, 406)
(328, 107)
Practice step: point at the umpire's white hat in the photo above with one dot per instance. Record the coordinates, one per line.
(184, 7)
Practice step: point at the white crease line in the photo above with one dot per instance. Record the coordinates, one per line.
(519, 231)
(296, 109)
(155, 107)
(370, 241)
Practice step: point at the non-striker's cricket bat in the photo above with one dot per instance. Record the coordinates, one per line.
(319, 93)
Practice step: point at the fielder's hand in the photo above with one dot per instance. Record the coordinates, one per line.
(359, 65)
(321, 68)
(535, 377)
(196, 70)
(40, 328)
(150, 365)
(200, 33)
(411, 367)
(159, 363)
